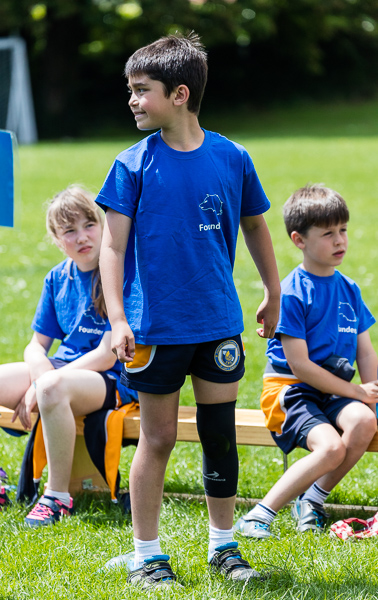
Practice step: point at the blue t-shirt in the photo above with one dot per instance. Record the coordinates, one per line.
(327, 312)
(186, 209)
(66, 312)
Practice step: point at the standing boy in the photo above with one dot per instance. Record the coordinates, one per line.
(307, 397)
(175, 201)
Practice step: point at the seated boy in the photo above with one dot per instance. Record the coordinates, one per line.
(175, 201)
(308, 399)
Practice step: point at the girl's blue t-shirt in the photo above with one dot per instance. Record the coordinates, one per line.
(186, 209)
(66, 312)
(327, 312)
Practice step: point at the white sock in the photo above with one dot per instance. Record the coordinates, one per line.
(64, 497)
(315, 494)
(218, 537)
(261, 512)
(145, 549)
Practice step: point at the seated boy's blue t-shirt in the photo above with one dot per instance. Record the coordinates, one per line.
(327, 312)
(186, 209)
(66, 312)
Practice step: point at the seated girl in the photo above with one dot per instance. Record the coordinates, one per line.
(83, 375)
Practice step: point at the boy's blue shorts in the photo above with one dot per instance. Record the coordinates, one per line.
(304, 410)
(163, 369)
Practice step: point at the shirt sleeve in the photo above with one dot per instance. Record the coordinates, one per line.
(366, 319)
(120, 191)
(292, 320)
(254, 199)
(45, 319)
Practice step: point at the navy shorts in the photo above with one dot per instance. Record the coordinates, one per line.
(304, 410)
(163, 369)
(111, 400)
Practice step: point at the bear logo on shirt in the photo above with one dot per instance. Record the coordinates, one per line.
(346, 311)
(91, 313)
(212, 202)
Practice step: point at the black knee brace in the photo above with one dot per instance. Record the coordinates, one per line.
(216, 430)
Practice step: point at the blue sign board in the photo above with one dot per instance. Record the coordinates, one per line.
(8, 167)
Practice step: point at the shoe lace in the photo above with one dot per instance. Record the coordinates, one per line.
(260, 525)
(40, 510)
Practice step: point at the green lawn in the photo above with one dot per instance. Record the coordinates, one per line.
(336, 145)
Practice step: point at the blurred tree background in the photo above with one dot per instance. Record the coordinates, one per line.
(261, 53)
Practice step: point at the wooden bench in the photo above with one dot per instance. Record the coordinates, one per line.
(250, 430)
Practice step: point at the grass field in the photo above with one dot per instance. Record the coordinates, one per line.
(337, 145)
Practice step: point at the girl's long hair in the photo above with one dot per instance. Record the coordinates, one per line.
(63, 210)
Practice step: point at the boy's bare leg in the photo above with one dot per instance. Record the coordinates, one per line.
(61, 396)
(158, 432)
(359, 424)
(221, 510)
(328, 452)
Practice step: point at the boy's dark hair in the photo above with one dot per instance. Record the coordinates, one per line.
(314, 206)
(173, 60)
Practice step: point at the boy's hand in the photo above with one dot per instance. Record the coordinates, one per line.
(123, 342)
(267, 314)
(371, 391)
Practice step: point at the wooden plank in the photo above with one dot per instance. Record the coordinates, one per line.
(250, 427)
(6, 415)
(373, 444)
(249, 502)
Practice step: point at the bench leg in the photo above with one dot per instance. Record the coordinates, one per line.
(285, 465)
(84, 475)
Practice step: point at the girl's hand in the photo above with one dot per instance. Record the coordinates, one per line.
(25, 407)
(123, 342)
(371, 391)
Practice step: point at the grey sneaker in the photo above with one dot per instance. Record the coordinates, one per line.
(155, 572)
(253, 528)
(228, 562)
(309, 516)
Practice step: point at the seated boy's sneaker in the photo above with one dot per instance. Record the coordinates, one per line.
(309, 516)
(227, 560)
(48, 511)
(4, 500)
(155, 572)
(253, 528)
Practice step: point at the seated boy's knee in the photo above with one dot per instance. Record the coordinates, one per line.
(361, 421)
(330, 449)
(367, 424)
(373, 422)
(335, 453)
(369, 421)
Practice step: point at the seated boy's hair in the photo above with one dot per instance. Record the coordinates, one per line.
(314, 206)
(174, 60)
